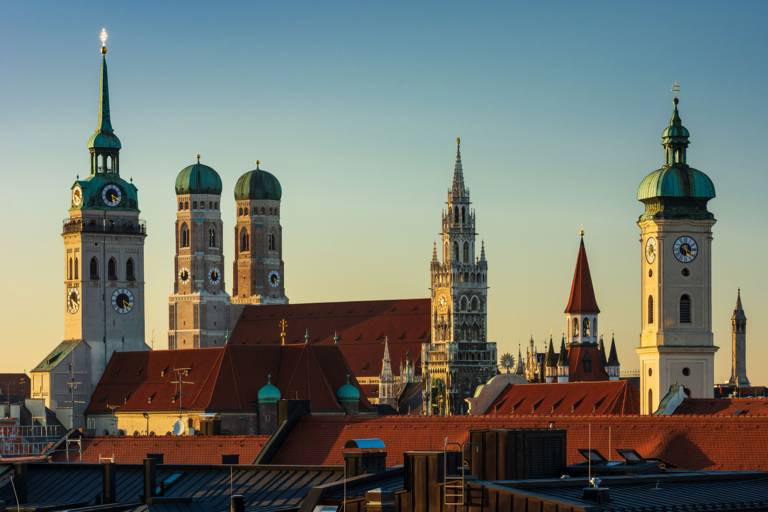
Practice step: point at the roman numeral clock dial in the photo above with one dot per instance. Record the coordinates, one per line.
(685, 249)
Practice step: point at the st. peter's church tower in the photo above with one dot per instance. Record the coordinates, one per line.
(676, 342)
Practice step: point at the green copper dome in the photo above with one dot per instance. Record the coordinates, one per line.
(258, 184)
(676, 189)
(198, 179)
(348, 393)
(269, 394)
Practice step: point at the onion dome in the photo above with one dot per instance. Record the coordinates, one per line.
(688, 189)
(269, 394)
(348, 393)
(198, 179)
(258, 184)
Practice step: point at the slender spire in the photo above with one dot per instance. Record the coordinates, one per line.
(613, 358)
(582, 298)
(601, 347)
(386, 363)
(458, 172)
(434, 252)
(482, 250)
(738, 300)
(562, 360)
(738, 313)
(519, 370)
(551, 357)
(104, 142)
(675, 136)
(104, 122)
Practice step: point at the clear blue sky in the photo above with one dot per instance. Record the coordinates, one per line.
(355, 107)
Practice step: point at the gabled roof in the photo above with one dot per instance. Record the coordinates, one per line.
(567, 399)
(689, 442)
(176, 450)
(56, 356)
(221, 379)
(724, 407)
(585, 363)
(359, 327)
(582, 298)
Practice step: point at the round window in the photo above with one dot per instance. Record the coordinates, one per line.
(650, 272)
(686, 272)
(686, 371)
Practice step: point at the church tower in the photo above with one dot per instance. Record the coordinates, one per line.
(198, 307)
(104, 249)
(676, 342)
(258, 268)
(738, 346)
(459, 357)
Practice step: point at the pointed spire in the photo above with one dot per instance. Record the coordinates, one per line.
(519, 370)
(738, 300)
(103, 141)
(105, 123)
(562, 360)
(482, 250)
(601, 348)
(738, 313)
(386, 363)
(551, 357)
(458, 172)
(434, 252)
(675, 136)
(582, 298)
(613, 358)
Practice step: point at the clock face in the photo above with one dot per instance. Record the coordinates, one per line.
(214, 276)
(650, 250)
(685, 249)
(274, 279)
(111, 195)
(184, 275)
(73, 300)
(77, 196)
(122, 300)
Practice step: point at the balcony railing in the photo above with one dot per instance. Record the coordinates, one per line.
(106, 226)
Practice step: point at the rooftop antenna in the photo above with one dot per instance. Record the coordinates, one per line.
(72, 384)
(180, 374)
(589, 459)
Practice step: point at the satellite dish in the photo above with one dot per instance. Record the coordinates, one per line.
(507, 361)
(178, 428)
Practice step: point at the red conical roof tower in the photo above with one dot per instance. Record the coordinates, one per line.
(582, 299)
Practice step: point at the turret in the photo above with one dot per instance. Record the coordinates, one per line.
(551, 364)
(613, 367)
(349, 397)
(268, 397)
(562, 363)
(581, 311)
(738, 345)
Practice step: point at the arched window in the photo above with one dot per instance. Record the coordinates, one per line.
(456, 214)
(587, 331)
(685, 309)
(130, 273)
(184, 236)
(240, 211)
(463, 215)
(456, 250)
(650, 401)
(186, 205)
(575, 329)
(211, 237)
(94, 270)
(181, 205)
(77, 268)
(475, 304)
(271, 242)
(650, 309)
(112, 269)
(69, 271)
(243, 240)
(466, 252)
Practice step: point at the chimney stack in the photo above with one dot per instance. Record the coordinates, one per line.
(150, 482)
(108, 483)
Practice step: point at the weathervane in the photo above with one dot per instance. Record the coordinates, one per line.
(103, 36)
(676, 90)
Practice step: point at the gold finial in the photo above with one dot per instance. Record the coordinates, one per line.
(198, 157)
(581, 232)
(458, 141)
(283, 325)
(103, 36)
(258, 163)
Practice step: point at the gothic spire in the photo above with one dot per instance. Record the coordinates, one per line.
(551, 357)
(562, 360)
(582, 298)
(434, 252)
(458, 189)
(613, 358)
(482, 250)
(738, 313)
(601, 348)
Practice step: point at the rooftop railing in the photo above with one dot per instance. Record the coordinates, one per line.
(106, 226)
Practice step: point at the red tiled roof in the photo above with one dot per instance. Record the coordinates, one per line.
(582, 298)
(690, 442)
(15, 384)
(175, 450)
(221, 379)
(361, 328)
(567, 399)
(724, 406)
(578, 371)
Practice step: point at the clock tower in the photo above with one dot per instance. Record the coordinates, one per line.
(259, 276)
(199, 305)
(676, 341)
(459, 356)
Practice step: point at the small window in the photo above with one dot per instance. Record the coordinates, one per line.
(463, 215)
(94, 270)
(244, 242)
(650, 309)
(575, 328)
(186, 205)
(77, 268)
(456, 214)
(686, 371)
(271, 242)
(130, 273)
(69, 272)
(184, 236)
(211, 237)
(587, 364)
(112, 269)
(181, 205)
(456, 250)
(685, 309)
(685, 272)
(230, 458)
(650, 401)
(194, 205)
(587, 332)
(465, 256)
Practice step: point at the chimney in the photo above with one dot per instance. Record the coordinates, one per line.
(364, 456)
(108, 483)
(150, 482)
(377, 500)
(237, 503)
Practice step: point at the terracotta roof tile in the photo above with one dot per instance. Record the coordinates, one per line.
(572, 398)
(690, 442)
(582, 298)
(724, 406)
(360, 326)
(175, 450)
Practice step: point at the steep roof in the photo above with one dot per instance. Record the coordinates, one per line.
(582, 298)
(690, 442)
(567, 399)
(221, 379)
(359, 328)
(724, 407)
(175, 450)
(585, 363)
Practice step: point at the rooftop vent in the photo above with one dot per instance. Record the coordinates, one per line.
(594, 492)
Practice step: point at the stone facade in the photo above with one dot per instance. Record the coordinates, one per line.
(459, 356)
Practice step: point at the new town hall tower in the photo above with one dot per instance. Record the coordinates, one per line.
(459, 356)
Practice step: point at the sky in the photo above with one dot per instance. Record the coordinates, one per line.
(355, 107)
